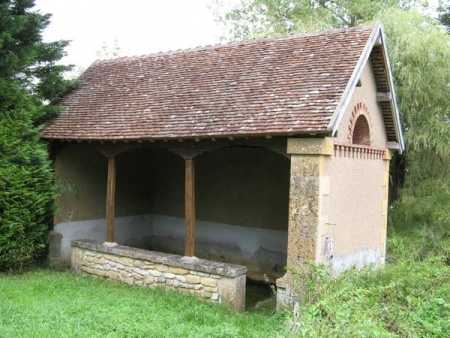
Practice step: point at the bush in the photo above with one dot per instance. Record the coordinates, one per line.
(26, 191)
(408, 298)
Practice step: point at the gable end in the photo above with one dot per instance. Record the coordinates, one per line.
(375, 53)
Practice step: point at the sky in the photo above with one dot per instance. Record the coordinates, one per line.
(140, 26)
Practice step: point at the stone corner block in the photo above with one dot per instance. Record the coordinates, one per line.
(286, 297)
(388, 155)
(232, 292)
(310, 146)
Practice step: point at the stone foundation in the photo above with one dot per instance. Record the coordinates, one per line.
(213, 281)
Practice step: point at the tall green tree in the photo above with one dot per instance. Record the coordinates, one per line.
(444, 16)
(420, 58)
(31, 82)
(252, 18)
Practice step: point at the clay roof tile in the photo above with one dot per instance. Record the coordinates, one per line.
(286, 84)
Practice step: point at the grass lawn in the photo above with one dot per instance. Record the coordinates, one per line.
(45, 303)
(410, 297)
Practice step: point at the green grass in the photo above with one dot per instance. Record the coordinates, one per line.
(410, 297)
(407, 299)
(46, 303)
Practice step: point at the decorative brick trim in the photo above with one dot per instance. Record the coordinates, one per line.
(358, 110)
(359, 151)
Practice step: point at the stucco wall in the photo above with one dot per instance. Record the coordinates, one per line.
(262, 251)
(354, 210)
(243, 186)
(241, 200)
(85, 169)
(80, 174)
(366, 95)
(354, 220)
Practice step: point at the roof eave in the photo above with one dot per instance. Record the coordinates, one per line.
(395, 110)
(213, 137)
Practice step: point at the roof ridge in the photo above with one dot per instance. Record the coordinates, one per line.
(280, 37)
(280, 85)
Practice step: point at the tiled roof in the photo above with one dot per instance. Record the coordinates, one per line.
(276, 86)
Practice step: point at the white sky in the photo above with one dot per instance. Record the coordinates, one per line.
(140, 26)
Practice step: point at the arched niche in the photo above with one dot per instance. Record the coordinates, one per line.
(361, 131)
(360, 126)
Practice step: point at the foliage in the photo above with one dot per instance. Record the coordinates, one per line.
(420, 54)
(30, 82)
(410, 296)
(109, 50)
(45, 303)
(252, 18)
(25, 190)
(407, 298)
(444, 16)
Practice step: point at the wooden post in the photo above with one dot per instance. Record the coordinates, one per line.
(190, 206)
(110, 198)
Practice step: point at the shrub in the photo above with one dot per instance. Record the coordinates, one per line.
(31, 82)
(26, 192)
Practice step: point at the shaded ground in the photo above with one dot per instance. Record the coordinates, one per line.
(259, 297)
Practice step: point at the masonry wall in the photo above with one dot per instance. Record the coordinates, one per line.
(212, 281)
(241, 198)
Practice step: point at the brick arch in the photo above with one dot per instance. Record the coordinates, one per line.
(360, 126)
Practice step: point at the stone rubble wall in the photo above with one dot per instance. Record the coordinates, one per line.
(213, 281)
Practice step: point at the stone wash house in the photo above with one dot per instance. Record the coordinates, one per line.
(250, 156)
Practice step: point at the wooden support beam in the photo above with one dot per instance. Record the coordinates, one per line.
(384, 97)
(190, 206)
(110, 199)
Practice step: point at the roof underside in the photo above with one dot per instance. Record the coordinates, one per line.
(380, 72)
(278, 86)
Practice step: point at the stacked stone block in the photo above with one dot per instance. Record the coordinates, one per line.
(212, 281)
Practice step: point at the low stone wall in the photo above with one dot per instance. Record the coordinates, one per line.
(214, 281)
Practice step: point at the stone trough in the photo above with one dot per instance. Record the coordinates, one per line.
(212, 281)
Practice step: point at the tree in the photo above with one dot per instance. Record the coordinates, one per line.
(31, 82)
(252, 18)
(444, 17)
(109, 50)
(420, 58)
